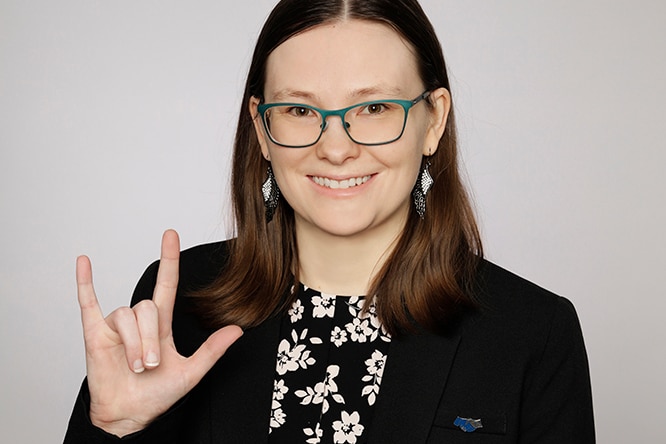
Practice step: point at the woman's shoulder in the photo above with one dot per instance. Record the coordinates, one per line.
(500, 289)
(199, 266)
(510, 302)
(518, 318)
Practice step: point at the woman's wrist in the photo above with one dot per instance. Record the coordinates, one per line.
(118, 428)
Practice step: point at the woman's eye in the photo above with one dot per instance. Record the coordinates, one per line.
(299, 111)
(374, 108)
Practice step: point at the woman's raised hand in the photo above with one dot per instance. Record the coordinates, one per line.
(135, 373)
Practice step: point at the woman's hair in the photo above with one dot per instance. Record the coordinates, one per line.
(427, 278)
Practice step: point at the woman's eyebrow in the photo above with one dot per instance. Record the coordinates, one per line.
(382, 91)
(288, 94)
(377, 90)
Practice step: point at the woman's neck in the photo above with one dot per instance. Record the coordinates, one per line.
(342, 265)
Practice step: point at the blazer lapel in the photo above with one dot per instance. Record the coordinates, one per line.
(414, 378)
(242, 387)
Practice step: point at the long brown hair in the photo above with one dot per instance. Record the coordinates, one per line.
(427, 277)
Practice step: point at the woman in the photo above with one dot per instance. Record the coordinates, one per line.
(345, 184)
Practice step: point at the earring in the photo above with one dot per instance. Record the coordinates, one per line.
(423, 185)
(271, 194)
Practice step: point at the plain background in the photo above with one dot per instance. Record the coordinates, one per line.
(116, 120)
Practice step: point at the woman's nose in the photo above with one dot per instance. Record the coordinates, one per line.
(335, 145)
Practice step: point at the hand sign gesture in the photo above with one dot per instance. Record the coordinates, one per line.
(135, 372)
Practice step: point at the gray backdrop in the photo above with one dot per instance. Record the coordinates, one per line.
(116, 119)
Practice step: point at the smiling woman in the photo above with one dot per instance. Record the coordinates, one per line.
(357, 274)
(369, 216)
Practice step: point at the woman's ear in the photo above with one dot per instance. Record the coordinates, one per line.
(440, 105)
(258, 126)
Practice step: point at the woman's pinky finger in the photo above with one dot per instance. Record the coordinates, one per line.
(124, 323)
(91, 313)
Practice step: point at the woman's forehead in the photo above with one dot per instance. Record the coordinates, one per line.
(349, 58)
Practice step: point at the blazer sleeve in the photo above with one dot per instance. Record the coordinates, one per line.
(557, 400)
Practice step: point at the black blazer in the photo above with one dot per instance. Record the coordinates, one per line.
(518, 365)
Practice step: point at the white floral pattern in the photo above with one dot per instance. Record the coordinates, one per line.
(355, 305)
(329, 368)
(359, 330)
(348, 429)
(279, 390)
(338, 336)
(296, 311)
(291, 358)
(316, 434)
(375, 372)
(322, 391)
(277, 415)
(324, 305)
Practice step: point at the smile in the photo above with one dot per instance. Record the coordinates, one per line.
(340, 184)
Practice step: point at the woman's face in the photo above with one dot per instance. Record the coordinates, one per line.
(334, 66)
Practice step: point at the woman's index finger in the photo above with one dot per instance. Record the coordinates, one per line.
(164, 294)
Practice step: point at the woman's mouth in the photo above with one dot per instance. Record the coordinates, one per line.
(340, 184)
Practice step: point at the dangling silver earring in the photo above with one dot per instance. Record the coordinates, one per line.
(271, 194)
(423, 185)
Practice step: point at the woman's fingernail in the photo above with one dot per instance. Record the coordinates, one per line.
(138, 366)
(151, 359)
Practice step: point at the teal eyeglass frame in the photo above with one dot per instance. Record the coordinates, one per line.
(325, 113)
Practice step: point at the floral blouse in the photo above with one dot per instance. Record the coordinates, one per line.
(329, 368)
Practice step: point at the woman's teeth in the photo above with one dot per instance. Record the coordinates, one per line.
(340, 184)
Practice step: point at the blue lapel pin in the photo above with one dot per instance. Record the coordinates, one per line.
(467, 425)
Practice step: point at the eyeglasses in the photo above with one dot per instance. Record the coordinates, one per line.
(294, 125)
